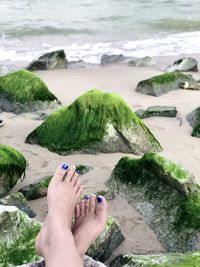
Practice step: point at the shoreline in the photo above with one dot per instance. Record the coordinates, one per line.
(177, 142)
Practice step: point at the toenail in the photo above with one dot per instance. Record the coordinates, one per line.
(99, 199)
(87, 197)
(78, 172)
(65, 166)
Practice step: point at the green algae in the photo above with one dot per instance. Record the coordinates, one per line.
(12, 167)
(191, 259)
(23, 86)
(17, 237)
(82, 125)
(161, 189)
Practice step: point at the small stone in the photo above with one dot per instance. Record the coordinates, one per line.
(158, 111)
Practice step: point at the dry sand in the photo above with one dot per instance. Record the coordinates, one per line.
(177, 142)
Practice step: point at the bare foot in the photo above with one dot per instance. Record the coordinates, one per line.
(63, 194)
(90, 221)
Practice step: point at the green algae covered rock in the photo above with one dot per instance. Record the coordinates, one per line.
(18, 200)
(194, 120)
(17, 237)
(39, 187)
(162, 84)
(95, 122)
(107, 242)
(23, 91)
(165, 194)
(12, 167)
(158, 111)
(191, 259)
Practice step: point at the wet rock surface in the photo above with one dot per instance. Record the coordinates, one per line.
(160, 189)
(157, 111)
(184, 64)
(164, 83)
(52, 60)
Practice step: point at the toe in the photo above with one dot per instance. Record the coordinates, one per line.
(60, 173)
(79, 191)
(75, 179)
(101, 208)
(77, 211)
(87, 206)
(92, 203)
(70, 173)
(82, 208)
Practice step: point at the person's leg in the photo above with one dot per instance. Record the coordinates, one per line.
(90, 221)
(55, 241)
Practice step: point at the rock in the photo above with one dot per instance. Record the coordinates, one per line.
(162, 84)
(23, 91)
(52, 60)
(159, 111)
(187, 86)
(141, 62)
(17, 237)
(112, 59)
(80, 64)
(191, 259)
(12, 167)
(39, 187)
(95, 122)
(194, 120)
(88, 262)
(18, 200)
(107, 242)
(108, 194)
(184, 64)
(132, 61)
(165, 194)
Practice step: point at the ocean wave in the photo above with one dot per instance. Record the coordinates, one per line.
(175, 44)
(26, 30)
(176, 25)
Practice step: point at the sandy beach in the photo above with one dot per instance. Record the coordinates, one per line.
(176, 140)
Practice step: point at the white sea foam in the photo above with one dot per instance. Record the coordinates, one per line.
(15, 50)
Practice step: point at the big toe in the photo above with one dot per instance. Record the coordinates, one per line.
(101, 209)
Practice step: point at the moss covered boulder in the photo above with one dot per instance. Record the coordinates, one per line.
(163, 84)
(12, 167)
(95, 122)
(165, 194)
(158, 111)
(17, 237)
(163, 260)
(194, 120)
(23, 91)
(39, 187)
(107, 242)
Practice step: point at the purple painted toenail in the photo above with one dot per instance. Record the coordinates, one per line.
(87, 197)
(99, 199)
(78, 172)
(65, 166)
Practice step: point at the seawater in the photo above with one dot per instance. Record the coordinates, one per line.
(86, 29)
